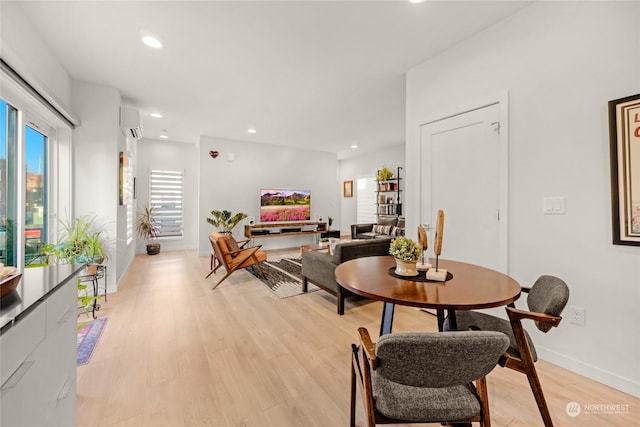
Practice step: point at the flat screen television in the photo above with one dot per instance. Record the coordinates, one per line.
(285, 205)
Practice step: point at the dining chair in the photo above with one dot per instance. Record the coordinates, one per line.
(546, 299)
(425, 377)
(229, 254)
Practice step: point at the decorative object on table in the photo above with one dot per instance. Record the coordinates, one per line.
(283, 277)
(148, 228)
(214, 154)
(330, 221)
(438, 274)
(224, 220)
(347, 189)
(88, 336)
(624, 133)
(423, 265)
(406, 252)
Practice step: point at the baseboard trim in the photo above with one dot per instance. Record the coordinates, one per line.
(595, 373)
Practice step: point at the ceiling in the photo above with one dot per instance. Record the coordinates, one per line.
(321, 75)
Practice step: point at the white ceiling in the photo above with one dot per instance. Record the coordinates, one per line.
(320, 75)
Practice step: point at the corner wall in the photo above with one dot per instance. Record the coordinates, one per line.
(561, 63)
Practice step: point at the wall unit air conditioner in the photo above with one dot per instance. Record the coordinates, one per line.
(130, 122)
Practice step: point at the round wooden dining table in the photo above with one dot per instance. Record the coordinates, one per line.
(470, 287)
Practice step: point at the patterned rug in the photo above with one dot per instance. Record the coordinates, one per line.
(284, 276)
(88, 336)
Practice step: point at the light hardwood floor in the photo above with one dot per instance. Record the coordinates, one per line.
(175, 353)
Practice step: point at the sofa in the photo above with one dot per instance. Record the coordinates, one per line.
(386, 227)
(319, 267)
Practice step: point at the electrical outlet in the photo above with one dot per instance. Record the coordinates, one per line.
(576, 315)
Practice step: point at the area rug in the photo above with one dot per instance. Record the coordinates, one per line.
(88, 336)
(284, 276)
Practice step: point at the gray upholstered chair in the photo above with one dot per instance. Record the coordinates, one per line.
(547, 298)
(425, 377)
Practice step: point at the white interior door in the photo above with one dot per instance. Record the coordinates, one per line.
(461, 174)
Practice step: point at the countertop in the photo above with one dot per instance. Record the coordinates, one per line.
(34, 287)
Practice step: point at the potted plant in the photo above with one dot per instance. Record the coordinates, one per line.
(384, 174)
(225, 221)
(148, 228)
(406, 252)
(82, 241)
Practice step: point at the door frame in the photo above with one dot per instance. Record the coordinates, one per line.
(502, 99)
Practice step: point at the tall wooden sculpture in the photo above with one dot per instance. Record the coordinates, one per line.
(438, 274)
(424, 264)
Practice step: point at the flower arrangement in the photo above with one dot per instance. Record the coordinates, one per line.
(404, 249)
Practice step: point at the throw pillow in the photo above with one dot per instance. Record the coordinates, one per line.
(382, 229)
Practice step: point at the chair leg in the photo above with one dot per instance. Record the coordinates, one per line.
(352, 418)
(257, 264)
(222, 280)
(536, 388)
(481, 388)
(530, 369)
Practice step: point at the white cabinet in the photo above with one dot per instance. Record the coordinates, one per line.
(38, 363)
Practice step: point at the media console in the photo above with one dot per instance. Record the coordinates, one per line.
(280, 229)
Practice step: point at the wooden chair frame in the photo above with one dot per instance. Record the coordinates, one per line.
(525, 363)
(233, 260)
(364, 360)
(214, 263)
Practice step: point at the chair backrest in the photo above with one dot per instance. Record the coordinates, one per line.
(438, 359)
(548, 295)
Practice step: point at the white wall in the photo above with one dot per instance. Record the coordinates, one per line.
(561, 62)
(97, 143)
(235, 185)
(175, 156)
(366, 166)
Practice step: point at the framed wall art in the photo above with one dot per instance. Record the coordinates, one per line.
(347, 189)
(624, 140)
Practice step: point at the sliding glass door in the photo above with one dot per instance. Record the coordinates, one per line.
(8, 183)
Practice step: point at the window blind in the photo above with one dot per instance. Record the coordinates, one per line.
(366, 199)
(165, 195)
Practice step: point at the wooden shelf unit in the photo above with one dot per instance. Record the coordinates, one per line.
(388, 196)
(279, 229)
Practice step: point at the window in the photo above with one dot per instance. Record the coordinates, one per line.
(366, 208)
(165, 194)
(8, 183)
(36, 185)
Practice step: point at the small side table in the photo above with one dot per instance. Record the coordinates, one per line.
(93, 273)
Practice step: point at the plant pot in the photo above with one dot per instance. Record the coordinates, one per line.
(153, 248)
(406, 268)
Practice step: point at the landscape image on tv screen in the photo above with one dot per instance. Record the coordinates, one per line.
(285, 205)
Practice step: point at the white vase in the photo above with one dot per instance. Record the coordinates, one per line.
(406, 268)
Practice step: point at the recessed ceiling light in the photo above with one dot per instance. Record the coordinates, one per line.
(156, 115)
(152, 42)
(164, 135)
(251, 130)
(416, 1)
(354, 145)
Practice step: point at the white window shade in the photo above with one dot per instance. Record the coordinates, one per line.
(165, 194)
(366, 199)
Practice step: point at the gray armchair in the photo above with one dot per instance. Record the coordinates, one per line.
(547, 298)
(425, 377)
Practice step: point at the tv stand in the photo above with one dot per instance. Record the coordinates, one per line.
(281, 229)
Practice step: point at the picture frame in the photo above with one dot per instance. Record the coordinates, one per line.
(347, 188)
(123, 179)
(624, 143)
